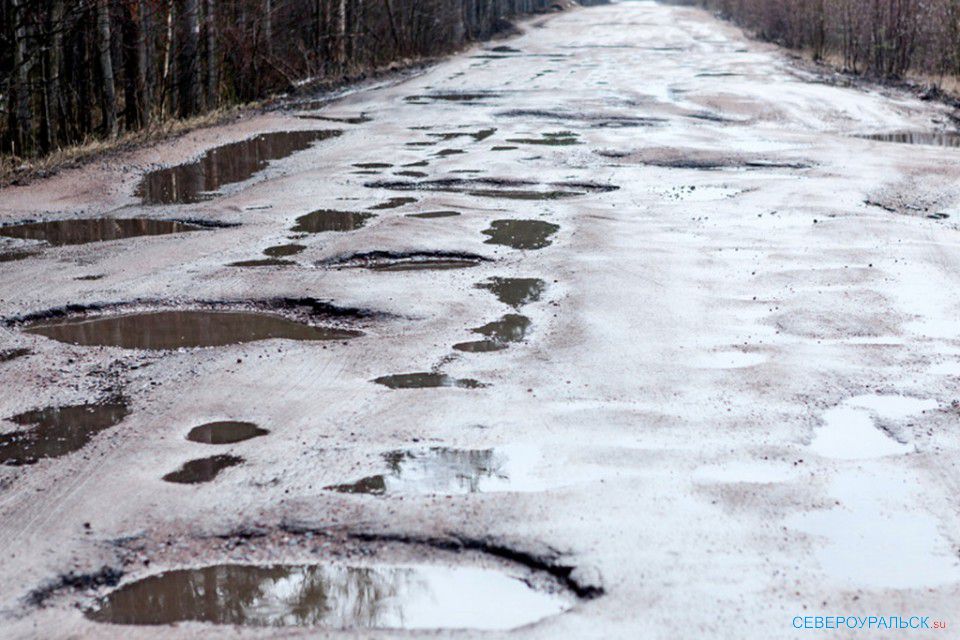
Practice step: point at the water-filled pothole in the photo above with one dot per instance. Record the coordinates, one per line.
(434, 214)
(944, 139)
(406, 261)
(262, 262)
(515, 292)
(68, 232)
(513, 189)
(554, 139)
(418, 596)
(227, 164)
(57, 431)
(202, 470)
(330, 220)
(283, 250)
(225, 432)
(158, 330)
(393, 203)
(521, 234)
(445, 471)
(426, 380)
(510, 328)
(467, 97)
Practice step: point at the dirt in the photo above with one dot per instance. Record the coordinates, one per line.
(734, 403)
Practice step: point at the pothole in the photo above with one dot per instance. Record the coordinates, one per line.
(299, 576)
(330, 220)
(515, 292)
(190, 328)
(372, 165)
(597, 120)
(500, 333)
(406, 261)
(941, 139)
(446, 471)
(84, 231)
(202, 470)
(161, 330)
(498, 188)
(235, 162)
(283, 250)
(467, 97)
(521, 234)
(58, 430)
(434, 214)
(393, 203)
(426, 380)
(553, 139)
(339, 597)
(701, 159)
(262, 262)
(225, 432)
(478, 136)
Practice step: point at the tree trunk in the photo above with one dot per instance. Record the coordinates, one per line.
(268, 25)
(144, 62)
(212, 82)
(342, 34)
(188, 65)
(109, 98)
(22, 138)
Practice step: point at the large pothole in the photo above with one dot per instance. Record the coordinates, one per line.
(235, 162)
(300, 577)
(212, 325)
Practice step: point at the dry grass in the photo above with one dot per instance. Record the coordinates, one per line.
(15, 170)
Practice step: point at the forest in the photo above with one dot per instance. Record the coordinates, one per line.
(76, 70)
(882, 38)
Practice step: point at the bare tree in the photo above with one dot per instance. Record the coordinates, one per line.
(109, 98)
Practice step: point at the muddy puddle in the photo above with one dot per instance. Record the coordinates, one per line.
(235, 162)
(283, 250)
(426, 380)
(202, 470)
(68, 232)
(478, 136)
(945, 139)
(553, 139)
(515, 292)
(594, 120)
(262, 262)
(444, 471)
(410, 261)
(333, 596)
(499, 334)
(57, 431)
(330, 220)
(521, 234)
(225, 432)
(429, 215)
(393, 203)
(159, 330)
(476, 97)
(497, 188)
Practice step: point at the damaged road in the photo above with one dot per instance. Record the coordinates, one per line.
(658, 340)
